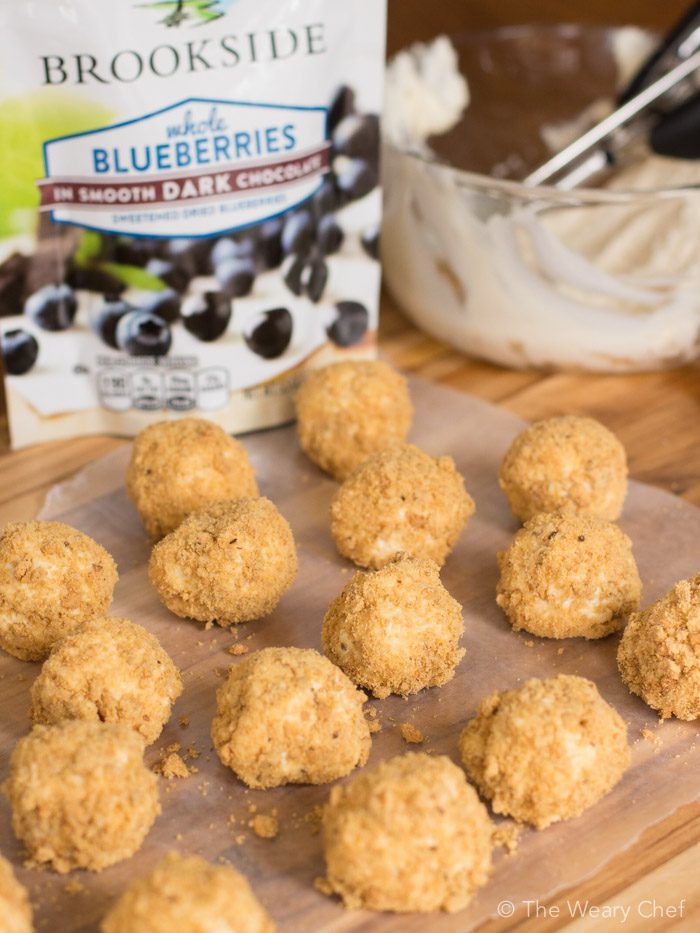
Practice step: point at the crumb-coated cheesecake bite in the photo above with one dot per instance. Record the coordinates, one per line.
(180, 466)
(409, 835)
(348, 411)
(395, 630)
(185, 894)
(289, 716)
(659, 654)
(545, 751)
(568, 460)
(568, 575)
(400, 500)
(53, 578)
(81, 795)
(229, 562)
(109, 670)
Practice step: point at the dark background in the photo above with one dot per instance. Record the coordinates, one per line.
(410, 20)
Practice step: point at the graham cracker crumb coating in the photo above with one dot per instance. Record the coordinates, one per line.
(180, 466)
(395, 630)
(659, 654)
(408, 835)
(348, 411)
(546, 751)
(565, 460)
(566, 575)
(53, 578)
(15, 910)
(400, 500)
(289, 716)
(81, 795)
(229, 562)
(185, 894)
(110, 670)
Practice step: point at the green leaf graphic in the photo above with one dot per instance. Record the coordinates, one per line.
(177, 11)
(25, 124)
(134, 276)
(89, 247)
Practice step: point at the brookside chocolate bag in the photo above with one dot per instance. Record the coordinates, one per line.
(189, 207)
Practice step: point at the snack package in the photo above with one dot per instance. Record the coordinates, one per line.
(189, 207)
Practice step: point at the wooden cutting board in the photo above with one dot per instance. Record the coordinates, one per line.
(208, 812)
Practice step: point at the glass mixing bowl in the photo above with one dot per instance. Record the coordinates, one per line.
(604, 279)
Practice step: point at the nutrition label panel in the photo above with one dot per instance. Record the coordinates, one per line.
(155, 388)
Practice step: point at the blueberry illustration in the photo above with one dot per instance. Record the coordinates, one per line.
(192, 255)
(136, 251)
(19, 351)
(330, 235)
(222, 251)
(357, 179)
(298, 233)
(104, 324)
(165, 304)
(370, 241)
(307, 275)
(357, 136)
(317, 279)
(169, 273)
(326, 198)
(206, 316)
(93, 279)
(52, 307)
(236, 277)
(269, 333)
(268, 247)
(142, 334)
(349, 324)
(294, 276)
(227, 248)
(341, 104)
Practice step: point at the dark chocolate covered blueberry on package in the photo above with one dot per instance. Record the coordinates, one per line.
(189, 207)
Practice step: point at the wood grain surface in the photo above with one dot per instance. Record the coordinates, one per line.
(657, 416)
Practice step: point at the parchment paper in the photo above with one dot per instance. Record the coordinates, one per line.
(197, 810)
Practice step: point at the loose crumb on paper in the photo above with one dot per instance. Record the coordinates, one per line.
(171, 764)
(73, 886)
(650, 737)
(313, 819)
(266, 826)
(410, 734)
